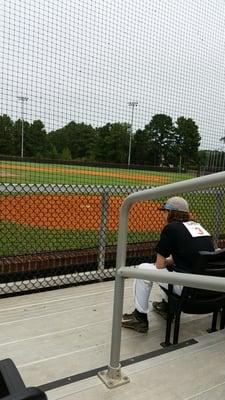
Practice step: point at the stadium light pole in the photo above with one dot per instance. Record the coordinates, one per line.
(22, 99)
(131, 104)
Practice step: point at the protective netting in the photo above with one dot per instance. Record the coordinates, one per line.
(100, 99)
(69, 67)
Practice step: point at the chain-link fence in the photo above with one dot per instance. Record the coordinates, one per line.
(55, 235)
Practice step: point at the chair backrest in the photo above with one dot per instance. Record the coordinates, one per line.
(211, 263)
(199, 300)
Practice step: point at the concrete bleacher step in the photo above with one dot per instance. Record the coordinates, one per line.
(59, 334)
(196, 372)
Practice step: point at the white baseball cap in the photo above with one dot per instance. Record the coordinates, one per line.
(176, 203)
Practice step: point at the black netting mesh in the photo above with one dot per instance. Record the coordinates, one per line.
(100, 99)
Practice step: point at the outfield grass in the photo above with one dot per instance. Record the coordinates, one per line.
(19, 239)
(55, 173)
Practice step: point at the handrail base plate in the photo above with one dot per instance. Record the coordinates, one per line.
(113, 377)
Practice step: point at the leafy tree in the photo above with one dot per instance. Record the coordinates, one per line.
(143, 151)
(66, 154)
(52, 154)
(112, 142)
(188, 141)
(158, 137)
(7, 145)
(78, 138)
(35, 140)
(58, 139)
(159, 143)
(82, 139)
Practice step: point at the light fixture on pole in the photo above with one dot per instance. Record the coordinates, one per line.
(22, 99)
(131, 104)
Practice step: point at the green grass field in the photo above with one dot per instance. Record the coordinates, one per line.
(20, 239)
(19, 172)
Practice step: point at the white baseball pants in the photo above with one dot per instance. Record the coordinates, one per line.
(142, 289)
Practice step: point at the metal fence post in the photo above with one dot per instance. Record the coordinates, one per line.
(218, 213)
(103, 232)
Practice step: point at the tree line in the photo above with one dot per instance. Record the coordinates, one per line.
(162, 142)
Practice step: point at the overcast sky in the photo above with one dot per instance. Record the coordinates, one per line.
(85, 60)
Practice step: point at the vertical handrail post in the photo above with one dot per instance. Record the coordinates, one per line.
(113, 376)
(103, 232)
(218, 213)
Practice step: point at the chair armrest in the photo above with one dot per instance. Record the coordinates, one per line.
(10, 379)
(31, 393)
(174, 268)
(12, 386)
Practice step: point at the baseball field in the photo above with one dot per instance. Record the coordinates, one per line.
(32, 222)
(19, 172)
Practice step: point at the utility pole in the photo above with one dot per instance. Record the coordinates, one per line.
(22, 99)
(131, 104)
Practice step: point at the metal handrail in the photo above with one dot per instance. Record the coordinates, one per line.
(190, 280)
(113, 376)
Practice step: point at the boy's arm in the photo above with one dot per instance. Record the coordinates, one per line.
(162, 262)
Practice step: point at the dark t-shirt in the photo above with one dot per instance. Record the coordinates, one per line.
(176, 240)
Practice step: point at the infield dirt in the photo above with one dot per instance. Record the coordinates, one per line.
(77, 212)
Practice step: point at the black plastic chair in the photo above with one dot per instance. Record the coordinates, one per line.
(197, 301)
(12, 386)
